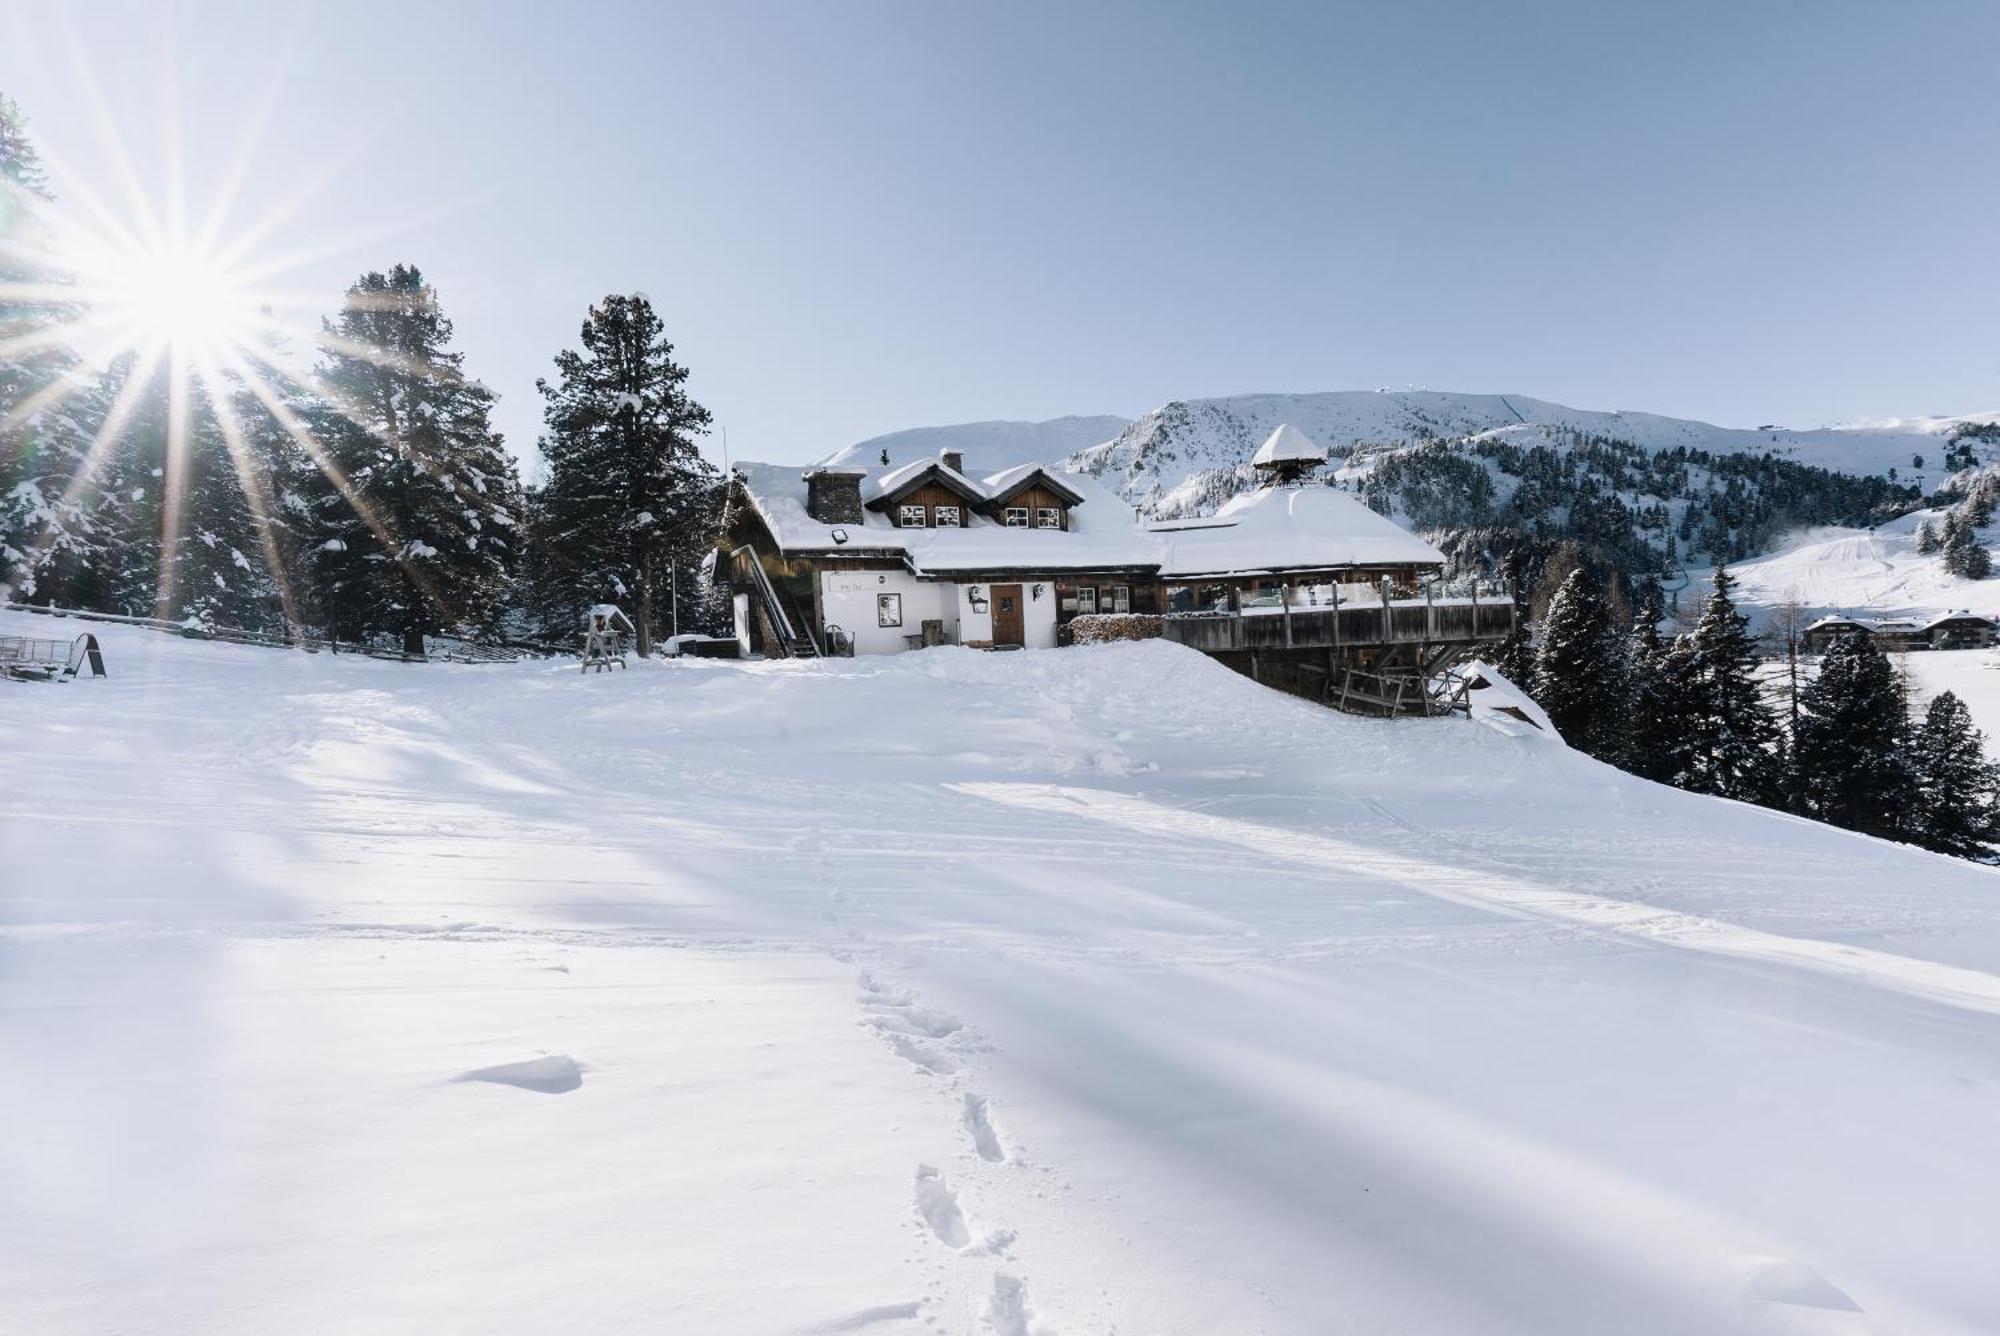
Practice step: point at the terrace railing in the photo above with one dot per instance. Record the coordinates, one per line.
(1473, 615)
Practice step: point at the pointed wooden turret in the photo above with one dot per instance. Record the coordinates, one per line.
(1287, 455)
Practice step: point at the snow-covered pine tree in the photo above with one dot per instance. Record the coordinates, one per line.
(1927, 541)
(1732, 737)
(629, 502)
(413, 530)
(51, 550)
(1964, 554)
(1959, 789)
(131, 509)
(1851, 753)
(220, 567)
(1579, 677)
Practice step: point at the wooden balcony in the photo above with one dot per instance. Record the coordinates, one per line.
(1416, 621)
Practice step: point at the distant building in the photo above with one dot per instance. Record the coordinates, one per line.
(1961, 630)
(1951, 630)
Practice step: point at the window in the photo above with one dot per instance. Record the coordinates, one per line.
(947, 517)
(1086, 600)
(1048, 517)
(889, 608)
(1017, 517)
(1121, 598)
(911, 517)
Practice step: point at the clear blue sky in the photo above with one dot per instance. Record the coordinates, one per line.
(859, 217)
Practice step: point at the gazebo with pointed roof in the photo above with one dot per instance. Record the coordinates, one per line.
(1287, 455)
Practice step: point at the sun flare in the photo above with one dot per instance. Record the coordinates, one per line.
(173, 295)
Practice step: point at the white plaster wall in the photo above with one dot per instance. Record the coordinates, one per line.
(847, 600)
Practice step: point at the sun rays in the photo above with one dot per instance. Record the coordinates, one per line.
(145, 286)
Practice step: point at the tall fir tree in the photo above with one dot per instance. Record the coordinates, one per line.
(1958, 788)
(1658, 677)
(1850, 755)
(413, 521)
(629, 504)
(51, 546)
(1732, 737)
(1579, 678)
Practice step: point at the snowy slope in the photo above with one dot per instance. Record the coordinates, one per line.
(988, 446)
(1168, 454)
(1874, 571)
(1086, 991)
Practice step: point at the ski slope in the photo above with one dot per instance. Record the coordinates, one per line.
(1874, 572)
(1085, 991)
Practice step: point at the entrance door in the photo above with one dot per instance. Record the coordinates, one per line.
(1007, 617)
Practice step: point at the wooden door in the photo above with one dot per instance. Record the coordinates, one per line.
(1007, 616)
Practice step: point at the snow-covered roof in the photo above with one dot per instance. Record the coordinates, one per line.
(1000, 485)
(1961, 615)
(1273, 529)
(1287, 445)
(901, 478)
(1102, 532)
(1289, 528)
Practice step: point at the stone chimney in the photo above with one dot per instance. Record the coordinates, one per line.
(833, 496)
(953, 460)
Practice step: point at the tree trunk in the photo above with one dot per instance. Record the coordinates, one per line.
(413, 643)
(643, 623)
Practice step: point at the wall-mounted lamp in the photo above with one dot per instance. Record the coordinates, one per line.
(881, 579)
(1038, 591)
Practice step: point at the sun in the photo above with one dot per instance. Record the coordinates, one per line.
(172, 294)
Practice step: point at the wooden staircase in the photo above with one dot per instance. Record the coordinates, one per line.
(787, 634)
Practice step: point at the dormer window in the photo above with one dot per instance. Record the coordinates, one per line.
(910, 517)
(1049, 517)
(1017, 517)
(945, 517)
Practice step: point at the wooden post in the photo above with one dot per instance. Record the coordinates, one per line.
(1285, 598)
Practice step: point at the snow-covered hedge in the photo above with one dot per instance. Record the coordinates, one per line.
(1098, 628)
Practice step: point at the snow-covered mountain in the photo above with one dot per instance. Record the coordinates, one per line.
(1646, 491)
(1170, 458)
(1167, 459)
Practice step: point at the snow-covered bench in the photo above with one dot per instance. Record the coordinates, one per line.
(25, 658)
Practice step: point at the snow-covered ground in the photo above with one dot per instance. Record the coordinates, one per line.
(1874, 572)
(1085, 991)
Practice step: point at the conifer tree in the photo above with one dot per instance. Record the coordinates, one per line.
(412, 530)
(1578, 678)
(1657, 687)
(50, 543)
(629, 503)
(1964, 555)
(1850, 754)
(1731, 734)
(1927, 541)
(1958, 788)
